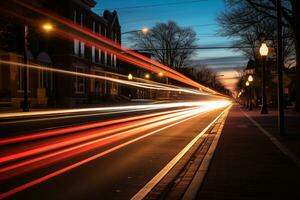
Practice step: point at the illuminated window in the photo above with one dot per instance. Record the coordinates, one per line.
(82, 49)
(93, 53)
(115, 61)
(76, 41)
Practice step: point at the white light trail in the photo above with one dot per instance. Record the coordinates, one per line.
(124, 82)
(209, 104)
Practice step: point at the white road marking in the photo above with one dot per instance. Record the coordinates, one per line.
(191, 192)
(276, 142)
(155, 180)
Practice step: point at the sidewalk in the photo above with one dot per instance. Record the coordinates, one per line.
(292, 127)
(247, 165)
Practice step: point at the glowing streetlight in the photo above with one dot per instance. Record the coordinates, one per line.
(130, 77)
(48, 27)
(250, 78)
(145, 30)
(264, 50)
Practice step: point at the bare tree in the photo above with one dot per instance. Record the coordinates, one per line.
(244, 17)
(169, 44)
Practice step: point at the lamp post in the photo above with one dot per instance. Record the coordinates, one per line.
(264, 50)
(248, 101)
(130, 77)
(25, 105)
(147, 76)
(47, 27)
(279, 69)
(250, 80)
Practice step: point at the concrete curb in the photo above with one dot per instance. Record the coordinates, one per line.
(192, 191)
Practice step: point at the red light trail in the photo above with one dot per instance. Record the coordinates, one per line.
(110, 46)
(36, 154)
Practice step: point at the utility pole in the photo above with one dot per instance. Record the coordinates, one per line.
(279, 69)
(25, 104)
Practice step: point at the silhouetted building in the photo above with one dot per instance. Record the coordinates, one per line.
(48, 49)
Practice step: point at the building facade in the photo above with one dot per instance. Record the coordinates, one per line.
(47, 49)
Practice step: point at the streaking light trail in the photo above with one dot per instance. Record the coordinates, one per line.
(115, 108)
(124, 82)
(106, 137)
(92, 39)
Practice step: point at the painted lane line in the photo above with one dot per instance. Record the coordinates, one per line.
(81, 127)
(92, 143)
(192, 190)
(21, 154)
(275, 141)
(154, 181)
(70, 167)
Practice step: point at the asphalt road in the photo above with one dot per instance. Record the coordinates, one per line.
(125, 160)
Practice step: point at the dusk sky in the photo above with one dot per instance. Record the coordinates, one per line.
(200, 15)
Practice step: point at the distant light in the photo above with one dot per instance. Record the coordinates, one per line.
(263, 50)
(160, 74)
(247, 83)
(147, 76)
(48, 27)
(130, 77)
(250, 78)
(145, 30)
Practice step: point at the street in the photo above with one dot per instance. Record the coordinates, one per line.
(112, 160)
(149, 100)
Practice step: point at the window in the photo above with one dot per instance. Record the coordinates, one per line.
(99, 56)
(81, 20)
(111, 59)
(82, 44)
(45, 79)
(93, 53)
(20, 78)
(115, 61)
(75, 17)
(79, 82)
(76, 47)
(99, 29)
(105, 57)
(93, 47)
(76, 41)
(82, 49)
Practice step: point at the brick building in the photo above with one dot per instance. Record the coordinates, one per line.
(47, 88)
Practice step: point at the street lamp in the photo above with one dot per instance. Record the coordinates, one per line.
(250, 80)
(130, 77)
(25, 104)
(47, 27)
(247, 85)
(264, 50)
(143, 30)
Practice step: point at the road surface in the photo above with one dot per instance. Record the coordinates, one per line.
(111, 157)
